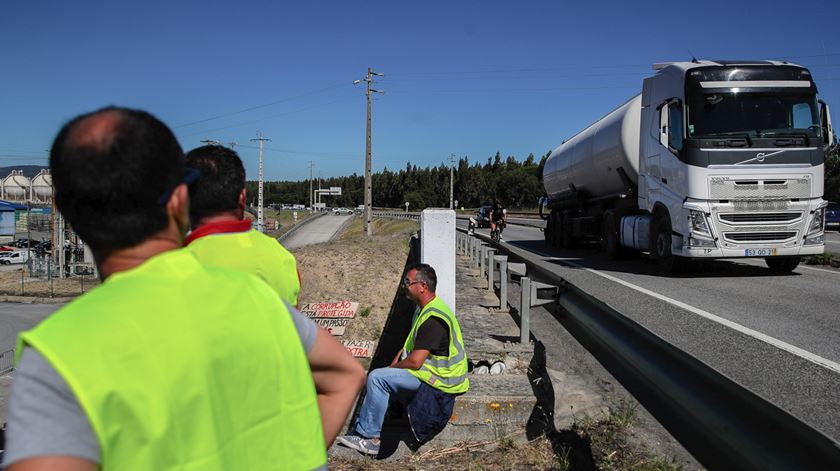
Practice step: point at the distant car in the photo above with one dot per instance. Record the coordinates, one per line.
(832, 216)
(340, 211)
(8, 258)
(482, 217)
(5, 249)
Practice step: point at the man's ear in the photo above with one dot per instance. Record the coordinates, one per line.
(241, 201)
(178, 206)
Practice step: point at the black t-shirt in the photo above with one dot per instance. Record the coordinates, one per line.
(498, 212)
(433, 336)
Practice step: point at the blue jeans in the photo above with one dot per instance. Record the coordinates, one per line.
(384, 385)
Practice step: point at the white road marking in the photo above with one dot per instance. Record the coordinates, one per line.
(833, 272)
(813, 358)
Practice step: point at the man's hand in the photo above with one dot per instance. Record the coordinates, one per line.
(338, 378)
(414, 360)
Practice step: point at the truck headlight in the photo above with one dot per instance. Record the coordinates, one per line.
(699, 225)
(817, 222)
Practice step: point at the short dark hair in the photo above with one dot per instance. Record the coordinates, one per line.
(217, 188)
(110, 169)
(426, 274)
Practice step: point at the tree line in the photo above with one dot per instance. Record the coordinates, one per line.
(517, 184)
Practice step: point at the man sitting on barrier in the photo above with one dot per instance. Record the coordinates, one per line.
(430, 369)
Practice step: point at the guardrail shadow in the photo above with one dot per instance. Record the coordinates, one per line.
(541, 422)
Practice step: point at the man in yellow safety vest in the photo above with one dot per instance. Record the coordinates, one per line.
(432, 356)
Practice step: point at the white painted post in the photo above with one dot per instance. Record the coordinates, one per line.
(491, 262)
(437, 248)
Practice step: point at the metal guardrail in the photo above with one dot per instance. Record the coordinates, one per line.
(397, 215)
(723, 424)
(7, 361)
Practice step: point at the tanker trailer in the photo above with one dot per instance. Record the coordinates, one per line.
(713, 159)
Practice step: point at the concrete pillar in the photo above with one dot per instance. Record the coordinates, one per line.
(437, 248)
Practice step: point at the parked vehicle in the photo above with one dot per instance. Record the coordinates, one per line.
(832, 216)
(713, 159)
(482, 216)
(340, 211)
(14, 257)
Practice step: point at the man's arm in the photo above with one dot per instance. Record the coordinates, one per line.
(414, 360)
(396, 358)
(338, 378)
(54, 463)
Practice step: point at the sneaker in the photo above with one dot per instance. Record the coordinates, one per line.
(361, 444)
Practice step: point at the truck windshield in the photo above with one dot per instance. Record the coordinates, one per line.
(756, 114)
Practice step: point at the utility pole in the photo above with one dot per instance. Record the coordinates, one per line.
(451, 180)
(311, 207)
(368, 184)
(260, 191)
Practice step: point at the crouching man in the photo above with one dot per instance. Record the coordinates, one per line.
(426, 374)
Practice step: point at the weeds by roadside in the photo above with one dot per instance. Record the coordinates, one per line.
(827, 258)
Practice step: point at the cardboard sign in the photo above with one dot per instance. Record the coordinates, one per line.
(345, 309)
(360, 348)
(335, 326)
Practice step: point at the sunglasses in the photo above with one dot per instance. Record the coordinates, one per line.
(407, 282)
(190, 176)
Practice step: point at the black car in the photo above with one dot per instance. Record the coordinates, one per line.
(832, 216)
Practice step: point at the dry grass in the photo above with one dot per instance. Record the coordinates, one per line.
(19, 283)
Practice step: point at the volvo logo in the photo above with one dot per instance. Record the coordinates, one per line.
(761, 156)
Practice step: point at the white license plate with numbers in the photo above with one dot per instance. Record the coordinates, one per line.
(759, 252)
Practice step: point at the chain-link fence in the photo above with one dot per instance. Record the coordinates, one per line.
(7, 363)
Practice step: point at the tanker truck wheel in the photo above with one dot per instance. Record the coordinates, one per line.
(550, 223)
(610, 243)
(566, 239)
(660, 246)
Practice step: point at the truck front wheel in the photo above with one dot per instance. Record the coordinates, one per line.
(782, 264)
(660, 244)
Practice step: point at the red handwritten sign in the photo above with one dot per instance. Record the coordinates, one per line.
(340, 309)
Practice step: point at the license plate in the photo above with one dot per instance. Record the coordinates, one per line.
(759, 252)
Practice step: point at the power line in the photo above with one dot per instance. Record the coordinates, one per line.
(264, 105)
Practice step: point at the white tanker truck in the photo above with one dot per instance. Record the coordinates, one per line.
(714, 159)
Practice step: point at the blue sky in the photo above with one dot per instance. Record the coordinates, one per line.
(469, 78)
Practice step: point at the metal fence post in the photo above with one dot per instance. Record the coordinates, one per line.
(503, 282)
(491, 261)
(478, 246)
(481, 258)
(525, 311)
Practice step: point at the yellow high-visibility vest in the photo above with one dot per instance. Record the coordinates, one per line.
(252, 252)
(446, 373)
(180, 366)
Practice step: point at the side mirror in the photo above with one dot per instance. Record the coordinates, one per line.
(671, 124)
(825, 123)
(663, 124)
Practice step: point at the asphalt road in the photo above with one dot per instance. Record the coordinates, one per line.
(16, 317)
(775, 334)
(318, 230)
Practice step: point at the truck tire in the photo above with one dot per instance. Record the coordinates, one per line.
(660, 244)
(782, 264)
(550, 224)
(610, 242)
(566, 239)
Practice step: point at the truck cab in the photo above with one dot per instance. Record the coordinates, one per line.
(731, 161)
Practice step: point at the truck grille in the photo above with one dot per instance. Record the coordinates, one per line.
(759, 236)
(721, 188)
(735, 218)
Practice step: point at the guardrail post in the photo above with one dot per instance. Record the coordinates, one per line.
(490, 266)
(481, 258)
(478, 247)
(525, 311)
(503, 281)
